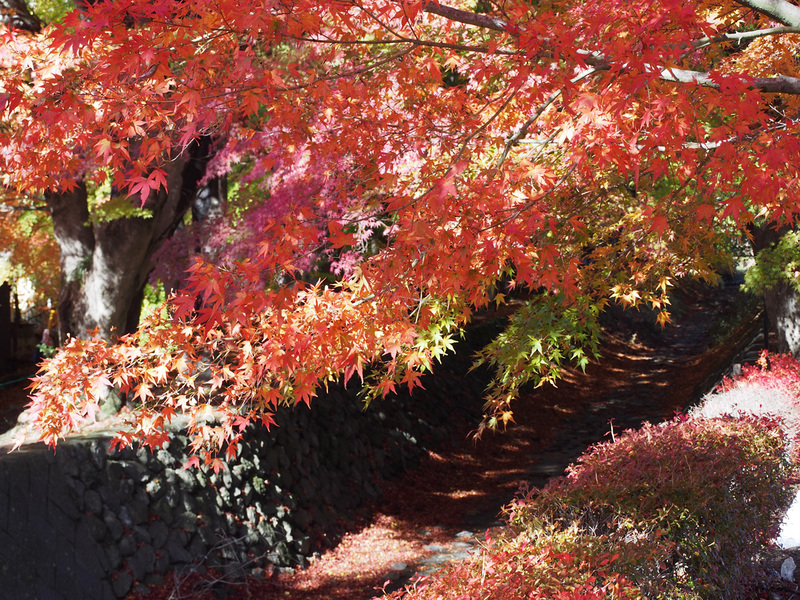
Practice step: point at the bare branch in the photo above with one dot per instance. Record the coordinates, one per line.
(466, 17)
(743, 36)
(512, 141)
(778, 10)
(9, 208)
(781, 84)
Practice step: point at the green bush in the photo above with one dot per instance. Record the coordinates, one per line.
(675, 511)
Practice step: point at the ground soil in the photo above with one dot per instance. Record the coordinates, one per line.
(464, 487)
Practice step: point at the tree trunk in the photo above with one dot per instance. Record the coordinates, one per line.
(104, 267)
(781, 301)
(15, 14)
(783, 309)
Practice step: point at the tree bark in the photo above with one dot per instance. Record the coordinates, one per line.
(15, 14)
(781, 301)
(783, 309)
(104, 267)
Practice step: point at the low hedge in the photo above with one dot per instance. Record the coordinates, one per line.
(676, 511)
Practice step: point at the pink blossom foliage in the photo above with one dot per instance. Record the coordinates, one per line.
(276, 185)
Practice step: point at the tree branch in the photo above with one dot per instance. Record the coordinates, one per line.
(781, 84)
(463, 16)
(514, 139)
(16, 208)
(777, 10)
(743, 36)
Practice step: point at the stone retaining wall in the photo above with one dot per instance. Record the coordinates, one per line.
(91, 523)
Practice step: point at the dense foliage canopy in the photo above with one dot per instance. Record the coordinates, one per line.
(399, 164)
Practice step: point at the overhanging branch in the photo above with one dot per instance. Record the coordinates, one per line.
(464, 16)
(781, 84)
(743, 36)
(9, 208)
(778, 10)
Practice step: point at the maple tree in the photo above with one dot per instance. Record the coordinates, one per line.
(400, 164)
(105, 240)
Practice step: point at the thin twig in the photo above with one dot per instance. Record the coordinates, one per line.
(512, 141)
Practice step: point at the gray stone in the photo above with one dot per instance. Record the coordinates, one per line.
(165, 458)
(121, 583)
(138, 512)
(62, 524)
(186, 521)
(465, 535)
(158, 532)
(140, 589)
(92, 502)
(115, 472)
(244, 471)
(173, 496)
(110, 498)
(252, 515)
(303, 545)
(156, 487)
(142, 562)
(227, 478)
(113, 557)
(135, 470)
(98, 452)
(162, 561)
(190, 503)
(208, 535)
(163, 511)
(66, 462)
(461, 545)
(95, 527)
(187, 478)
(250, 537)
(125, 489)
(140, 494)
(178, 536)
(59, 494)
(272, 459)
(141, 534)
(197, 547)
(115, 528)
(127, 545)
(177, 553)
